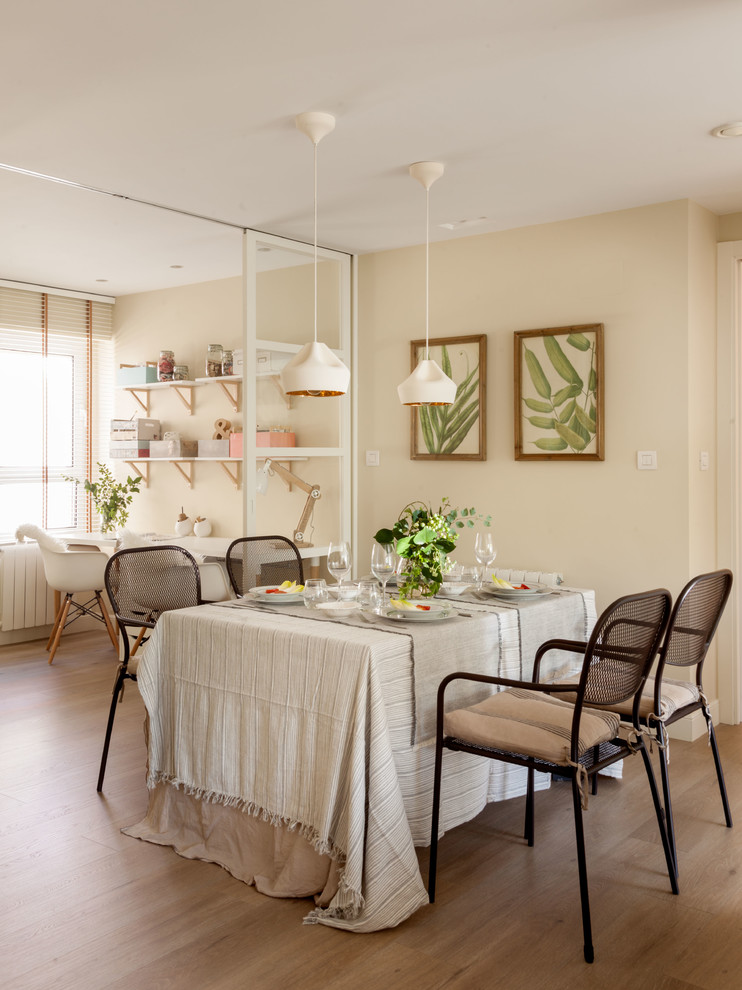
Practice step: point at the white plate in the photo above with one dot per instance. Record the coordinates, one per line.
(262, 592)
(431, 614)
(529, 592)
(338, 606)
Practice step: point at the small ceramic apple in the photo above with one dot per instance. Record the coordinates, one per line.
(183, 525)
(202, 527)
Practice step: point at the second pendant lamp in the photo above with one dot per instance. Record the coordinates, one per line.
(428, 385)
(315, 370)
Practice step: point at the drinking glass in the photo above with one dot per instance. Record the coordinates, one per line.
(315, 591)
(485, 552)
(369, 593)
(339, 562)
(383, 563)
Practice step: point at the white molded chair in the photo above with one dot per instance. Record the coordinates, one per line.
(70, 572)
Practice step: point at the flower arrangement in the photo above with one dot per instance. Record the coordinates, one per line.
(422, 536)
(110, 498)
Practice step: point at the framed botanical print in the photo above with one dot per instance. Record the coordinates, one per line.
(455, 432)
(559, 385)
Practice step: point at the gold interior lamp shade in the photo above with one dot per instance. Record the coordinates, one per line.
(428, 385)
(315, 371)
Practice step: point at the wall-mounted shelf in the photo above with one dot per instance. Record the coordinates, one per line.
(183, 389)
(230, 385)
(184, 467)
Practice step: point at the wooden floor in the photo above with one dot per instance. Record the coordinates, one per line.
(84, 907)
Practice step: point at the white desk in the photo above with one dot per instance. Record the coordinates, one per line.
(324, 728)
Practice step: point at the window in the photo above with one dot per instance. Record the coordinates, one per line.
(56, 358)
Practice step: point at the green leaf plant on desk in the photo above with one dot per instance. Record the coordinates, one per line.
(111, 498)
(423, 537)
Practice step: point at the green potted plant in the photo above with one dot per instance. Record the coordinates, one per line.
(111, 498)
(423, 536)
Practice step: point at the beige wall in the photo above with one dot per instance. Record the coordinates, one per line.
(647, 274)
(730, 227)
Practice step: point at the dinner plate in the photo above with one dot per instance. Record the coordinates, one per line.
(433, 612)
(268, 593)
(340, 606)
(529, 592)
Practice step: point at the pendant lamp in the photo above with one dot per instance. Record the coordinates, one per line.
(427, 385)
(315, 370)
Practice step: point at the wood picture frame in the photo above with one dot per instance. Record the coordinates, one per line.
(559, 394)
(457, 432)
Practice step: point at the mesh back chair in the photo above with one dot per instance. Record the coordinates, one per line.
(527, 724)
(142, 583)
(259, 560)
(693, 624)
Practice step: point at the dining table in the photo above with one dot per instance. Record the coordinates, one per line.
(295, 746)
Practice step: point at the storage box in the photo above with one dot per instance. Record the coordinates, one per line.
(213, 448)
(129, 448)
(173, 448)
(235, 445)
(135, 429)
(141, 374)
(274, 438)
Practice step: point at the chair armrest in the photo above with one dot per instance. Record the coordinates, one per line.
(565, 645)
(503, 681)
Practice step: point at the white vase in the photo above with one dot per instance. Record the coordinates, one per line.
(202, 527)
(183, 527)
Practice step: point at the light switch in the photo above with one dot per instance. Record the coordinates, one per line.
(372, 458)
(646, 460)
(703, 461)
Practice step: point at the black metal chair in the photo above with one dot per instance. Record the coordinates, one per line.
(693, 624)
(142, 583)
(253, 561)
(530, 726)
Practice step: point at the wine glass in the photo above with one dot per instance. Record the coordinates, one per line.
(339, 562)
(383, 563)
(484, 551)
(315, 592)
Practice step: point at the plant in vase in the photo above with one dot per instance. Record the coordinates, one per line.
(422, 537)
(111, 498)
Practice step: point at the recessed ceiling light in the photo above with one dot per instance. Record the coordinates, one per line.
(455, 224)
(176, 266)
(733, 129)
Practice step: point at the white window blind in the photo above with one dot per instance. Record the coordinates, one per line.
(56, 380)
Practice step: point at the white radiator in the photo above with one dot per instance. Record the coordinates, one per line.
(26, 600)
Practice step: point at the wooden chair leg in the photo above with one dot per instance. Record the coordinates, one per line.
(60, 625)
(107, 620)
(142, 632)
(53, 633)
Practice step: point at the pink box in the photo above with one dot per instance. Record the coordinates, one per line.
(271, 438)
(235, 445)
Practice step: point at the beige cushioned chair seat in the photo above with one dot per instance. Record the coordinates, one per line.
(531, 723)
(675, 695)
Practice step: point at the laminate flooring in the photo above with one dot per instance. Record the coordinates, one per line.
(83, 906)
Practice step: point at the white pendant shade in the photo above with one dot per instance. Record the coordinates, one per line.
(427, 386)
(315, 371)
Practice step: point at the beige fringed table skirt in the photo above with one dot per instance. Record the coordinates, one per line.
(297, 751)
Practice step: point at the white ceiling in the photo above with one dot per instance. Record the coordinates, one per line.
(540, 109)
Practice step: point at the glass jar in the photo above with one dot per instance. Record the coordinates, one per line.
(180, 373)
(165, 366)
(227, 363)
(214, 361)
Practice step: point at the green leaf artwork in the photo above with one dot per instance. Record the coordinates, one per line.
(559, 392)
(444, 428)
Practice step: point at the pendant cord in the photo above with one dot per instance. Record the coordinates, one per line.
(427, 271)
(315, 242)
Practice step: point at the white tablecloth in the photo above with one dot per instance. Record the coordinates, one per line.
(325, 728)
